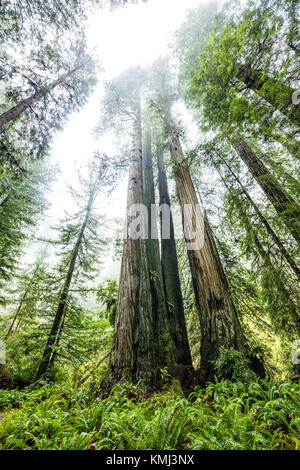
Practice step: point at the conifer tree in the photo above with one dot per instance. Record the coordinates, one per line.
(142, 340)
(160, 306)
(22, 205)
(170, 270)
(80, 250)
(214, 154)
(283, 203)
(30, 285)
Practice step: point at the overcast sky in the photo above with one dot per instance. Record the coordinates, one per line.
(133, 35)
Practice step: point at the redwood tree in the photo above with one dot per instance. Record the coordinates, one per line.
(219, 323)
(142, 341)
(162, 323)
(170, 271)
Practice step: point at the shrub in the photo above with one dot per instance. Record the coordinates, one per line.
(231, 364)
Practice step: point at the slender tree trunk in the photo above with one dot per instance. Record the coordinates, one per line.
(167, 353)
(18, 327)
(17, 314)
(171, 274)
(292, 145)
(284, 204)
(289, 259)
(13, 113)
(288, 181)
(6, 156)
(268, 263)
(134, 350)
(55, 330)
(219, 323)
(4, 200)
(272, 90)
(58, 338)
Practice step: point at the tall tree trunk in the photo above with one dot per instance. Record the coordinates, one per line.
(219, 323)
(16, 111)
(289, 259)
(167, 352)
(134, 350)
(55, 330)
(272, 90)
(171, 274)
(284, 204)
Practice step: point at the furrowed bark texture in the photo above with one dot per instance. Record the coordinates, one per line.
(166, 350)
(283, 203)
(171, 274)
(272, 90)
(218, 319)
(134, 343)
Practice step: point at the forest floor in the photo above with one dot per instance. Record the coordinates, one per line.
(226, 415)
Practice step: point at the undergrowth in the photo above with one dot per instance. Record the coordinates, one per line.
(227, 415)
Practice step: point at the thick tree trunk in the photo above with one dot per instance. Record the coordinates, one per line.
(266, 224)
(284, 204)
(171, 274)
(134, 350)
(218, 319)
(167, 352)
(272, 90)
(56, 326)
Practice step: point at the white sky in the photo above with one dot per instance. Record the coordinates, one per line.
(133, 35)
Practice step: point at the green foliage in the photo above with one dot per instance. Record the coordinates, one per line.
(231, 364)
(239, 76)
(226, 415)
(20, 18)
(78, 249)
(108, 294)
(23, 202)
(121, 101)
